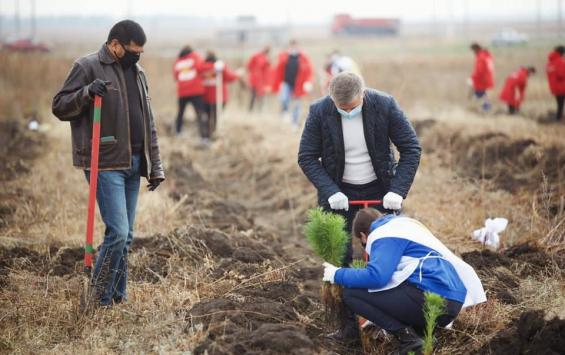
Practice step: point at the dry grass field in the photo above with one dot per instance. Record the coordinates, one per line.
(220, 265)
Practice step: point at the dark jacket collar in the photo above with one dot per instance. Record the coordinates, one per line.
(105, 55)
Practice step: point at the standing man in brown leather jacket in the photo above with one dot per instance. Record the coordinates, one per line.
(128, 145)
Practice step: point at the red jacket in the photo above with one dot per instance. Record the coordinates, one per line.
(304, 73)
(187, 72)
(483, 74)
(555, 70)
(259, 68)
(515, 88)
(209, 75)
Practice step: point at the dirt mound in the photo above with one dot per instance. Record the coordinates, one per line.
(19, 147)
(501, 272)
(525, 259)
(57, 261)
(282, 291)
(181, 175)
(18, 150)
(259, 326)
(226, 215)
(529, 334)
(269, 338)
(511, 164)
(67, 261)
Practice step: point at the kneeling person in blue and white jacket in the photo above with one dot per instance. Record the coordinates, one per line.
(405, 260)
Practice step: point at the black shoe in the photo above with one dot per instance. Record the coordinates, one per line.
(344, 335)
(408, 341)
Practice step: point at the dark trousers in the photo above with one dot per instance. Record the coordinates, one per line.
(198, 104)
(512, 109)
(256, 99)
(211, 118)
(370, 191)
(560, 101)
(397, 308)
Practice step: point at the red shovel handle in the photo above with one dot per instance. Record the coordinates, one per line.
(364, 203)
(89, 250)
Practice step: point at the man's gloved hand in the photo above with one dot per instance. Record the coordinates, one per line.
(98, 87)
(392, 201)
(219, 66)
(329, 272)
(339, 201)
(154, 183)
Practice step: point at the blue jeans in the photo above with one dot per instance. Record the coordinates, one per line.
(116, 195)
(289, 102)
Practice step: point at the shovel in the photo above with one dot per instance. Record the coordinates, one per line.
(89, 249)
(219, 96)
(364, 203)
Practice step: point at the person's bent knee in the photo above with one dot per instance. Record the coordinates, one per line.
(116, 238)
(348, 295)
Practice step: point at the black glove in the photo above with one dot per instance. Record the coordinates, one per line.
(154, 183)
(98, 87)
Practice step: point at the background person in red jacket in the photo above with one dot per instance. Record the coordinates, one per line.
(259, 70)
(555, 70)
(187, 73)
(482, 78)
(514, 90)
(210, 69)
(293, 80)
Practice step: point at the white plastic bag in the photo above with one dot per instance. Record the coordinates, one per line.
(488, 235)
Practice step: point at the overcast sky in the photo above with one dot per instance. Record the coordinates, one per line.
(295, 11)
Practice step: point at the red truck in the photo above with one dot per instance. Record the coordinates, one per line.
(345, 25)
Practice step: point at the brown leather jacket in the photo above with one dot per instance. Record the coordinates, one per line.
(72, 103)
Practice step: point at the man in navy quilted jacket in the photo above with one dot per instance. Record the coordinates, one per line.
(345, 151)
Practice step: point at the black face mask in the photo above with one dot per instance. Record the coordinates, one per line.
(129, 58)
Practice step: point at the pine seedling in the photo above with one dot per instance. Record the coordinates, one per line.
(326, 235)
(359, 264)
(434, 307)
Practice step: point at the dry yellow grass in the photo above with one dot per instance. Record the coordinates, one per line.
(38, 313)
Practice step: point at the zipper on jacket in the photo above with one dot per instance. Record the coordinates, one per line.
(125, 96)
(145, 99)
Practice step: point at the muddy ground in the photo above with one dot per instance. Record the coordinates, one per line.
(18, 150)
(260, 283)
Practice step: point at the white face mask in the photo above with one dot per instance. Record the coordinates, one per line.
(349, 115)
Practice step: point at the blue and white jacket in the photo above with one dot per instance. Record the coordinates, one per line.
(402, 249)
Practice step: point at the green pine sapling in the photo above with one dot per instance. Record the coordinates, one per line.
(326, 235)
(434, 307)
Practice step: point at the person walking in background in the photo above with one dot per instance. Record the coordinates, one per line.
(211, 68)
(259, 71)
(482, 78)
(293, 80)
(187, 72)
(514, 90)
(555, 70)
(336, 63)
(345, 152)
(128, 146)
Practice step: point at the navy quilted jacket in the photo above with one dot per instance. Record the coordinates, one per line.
(322, 155)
